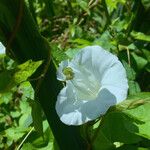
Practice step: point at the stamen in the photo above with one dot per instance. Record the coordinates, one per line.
(68, 72)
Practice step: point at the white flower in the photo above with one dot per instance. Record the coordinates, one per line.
(95, 80)
(2, 48)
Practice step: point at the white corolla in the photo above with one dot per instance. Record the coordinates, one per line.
(94, 80)
(2, 48)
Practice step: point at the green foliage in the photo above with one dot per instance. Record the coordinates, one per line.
(146, 3)
(13, 77)
(139, 111)
(131, 75)
(15, 115)
(37, 116)
(36, 142)
(121, 27)
(127, 123)
(25, 70)
(140, 36)
(113, 4)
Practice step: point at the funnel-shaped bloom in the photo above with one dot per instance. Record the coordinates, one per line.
(95, 80)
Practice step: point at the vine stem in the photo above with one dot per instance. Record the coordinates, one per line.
(43, 74)
(15, 29)
(128, 55)
(18, 148)
(89, 147)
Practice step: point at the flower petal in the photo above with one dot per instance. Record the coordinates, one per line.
(2, 48)
(62, 65)
(96, 59)
(77, 113)
(106, 67)
(115, 80)
(95, 70)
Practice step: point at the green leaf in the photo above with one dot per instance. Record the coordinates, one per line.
(82, 42)
(140, 36)
(147, 54)
(37, 116)
(28, 92)
(25, 120)
(15, 134)
(11, 78)
(72, 52)
(138, 110)
(27, 146)
(6, 80)
(83, 4)
(146, 3)
(15, 114)
(134, 101)
(131, 147)
(126, 123)
(119, 25)
(113, 4)
(131, 74)
(5, 97)
(58, 54)
(38, 143)
(140, 61)
(133, 87)
(25, 70)
(106, 41)
(102, 142)
(113, 129)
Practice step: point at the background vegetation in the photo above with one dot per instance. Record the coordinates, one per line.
(39, 34)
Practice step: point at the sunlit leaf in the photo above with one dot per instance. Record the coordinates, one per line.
(146, 3)
(25, 70)
(140, 36)
(113, 4)
(127, 124)
(139, 110)
(140, 61)
(15, 133)
(11, 78)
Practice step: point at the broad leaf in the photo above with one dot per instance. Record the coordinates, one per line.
(140, 61)
(146, 3)
(37, 116)
(140, 36)
(127, 123)
(131, 75)
(139, 110)
(11, 78)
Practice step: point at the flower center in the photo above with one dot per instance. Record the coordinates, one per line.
(84, 82)
(68, 72)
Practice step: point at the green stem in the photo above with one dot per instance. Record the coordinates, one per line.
(20, 145)
(107, 14)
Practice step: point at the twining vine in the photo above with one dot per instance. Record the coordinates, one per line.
(9, 52)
